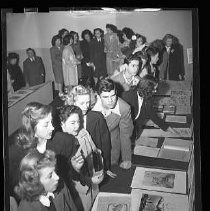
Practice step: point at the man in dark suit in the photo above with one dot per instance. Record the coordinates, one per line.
(97, 54)
(141, 101)
(33, 69)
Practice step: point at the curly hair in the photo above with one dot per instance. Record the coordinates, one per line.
(62, 31)
(128, 32)
(72, 93)
(144, 39)
(32, 113)
(67, 38)
(56, 37)
(111, 27)
(175, 40)
(87, 31)
(105, 85)
(29, 186)
(146, 86)
(67, 110)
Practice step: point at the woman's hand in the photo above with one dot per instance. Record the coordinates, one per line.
(111, 174)
(98, 177)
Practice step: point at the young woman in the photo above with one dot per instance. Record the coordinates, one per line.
(128, 77)
(39, 187)
(56, 58)
(37, 132)
(140, 43)
(87, 66)
(78, 52)
(112, 49)
(62, 33)
(172, 66)
(129, 38)
(141, 101)
(72, 123)
(69, 62)
(15, 72)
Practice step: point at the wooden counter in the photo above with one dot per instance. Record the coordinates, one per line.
(41, 93)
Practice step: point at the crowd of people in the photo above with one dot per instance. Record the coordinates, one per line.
(63, 151)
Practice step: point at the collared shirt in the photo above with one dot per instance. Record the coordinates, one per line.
(168, 49)
(140, 102)
(99, 40)
(98, 107)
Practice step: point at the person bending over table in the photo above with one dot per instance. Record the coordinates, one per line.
(118, 118)
(141, 101)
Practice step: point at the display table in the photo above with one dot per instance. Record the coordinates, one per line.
(41, 93)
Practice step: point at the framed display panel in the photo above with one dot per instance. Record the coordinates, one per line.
(176, 149)
(183, 132)
(159, 180)
(176, 118)
(112, 201)
(144, 200)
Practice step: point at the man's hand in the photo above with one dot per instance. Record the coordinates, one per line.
(111, 174)
(125, 164)
(77, 160)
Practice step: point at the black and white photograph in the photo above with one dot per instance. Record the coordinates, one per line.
(97, 102)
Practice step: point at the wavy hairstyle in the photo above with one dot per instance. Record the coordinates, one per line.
(146, 86)
(87, 31)
(105, 85)
(67, 110)
(128, 32)
(72, 93)
(54, 38)
(175, 40)
(29, 186)
(32, 113)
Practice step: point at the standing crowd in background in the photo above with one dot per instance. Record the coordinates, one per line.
(106, 82)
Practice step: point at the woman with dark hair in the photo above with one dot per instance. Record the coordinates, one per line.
(87, 66)
(172, 66)
(39, 187)
(78, 52)
(112, 49)
(56, 57)
(15, 72)
(69, 62)
(141, 101)
(62, 33)
(129, 38)
(151, 65)
(37, 132)
(140, 43)
(72, 123)
(97, 55)
(128, 77)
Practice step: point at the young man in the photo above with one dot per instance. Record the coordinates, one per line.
(118, 117)
(33, 69)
